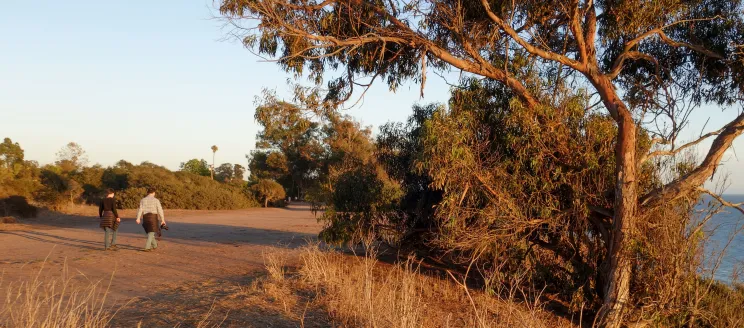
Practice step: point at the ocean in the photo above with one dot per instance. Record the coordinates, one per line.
(722, 228)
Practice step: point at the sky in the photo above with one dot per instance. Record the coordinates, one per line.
(159, 81)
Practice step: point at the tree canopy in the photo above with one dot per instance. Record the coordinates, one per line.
(646, 65)
(196, 166)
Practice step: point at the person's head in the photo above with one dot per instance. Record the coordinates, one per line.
(109, 192)
(151, 191)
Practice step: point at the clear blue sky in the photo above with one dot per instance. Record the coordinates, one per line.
(154, 80)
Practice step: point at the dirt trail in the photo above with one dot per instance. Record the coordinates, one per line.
(200, 246)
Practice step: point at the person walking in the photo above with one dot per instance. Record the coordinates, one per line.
(151, 214)
(109, 220)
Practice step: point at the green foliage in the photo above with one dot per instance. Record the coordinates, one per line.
(327, 158)
(11, 154)
(359, 202)
(525, 163)
(224, 172)
(17, 176)
(268, 191)
(238, 172)
(196, 166)
(398, 148)
(69, 181)
(394, 40)
(289, 143)
(180, 190)
(269, 165)
(71, 158)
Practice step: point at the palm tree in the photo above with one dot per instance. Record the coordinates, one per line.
(214, 151)
(248, 161)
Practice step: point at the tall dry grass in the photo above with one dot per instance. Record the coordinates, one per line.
(55, 302)
(359, 291)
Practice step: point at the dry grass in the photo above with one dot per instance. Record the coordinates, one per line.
(327, 288)
(54, 302)
(362, 292)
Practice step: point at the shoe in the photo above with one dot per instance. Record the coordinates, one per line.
(147, 250)
(114, 247)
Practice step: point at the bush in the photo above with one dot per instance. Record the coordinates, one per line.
(360, 205)
(180, 190)
(17, 205)
(268, 190)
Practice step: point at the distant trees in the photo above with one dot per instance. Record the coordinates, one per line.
(326, 158)
(289, 146)
(71, 158)
(238, 172)
(11, 154)
(69, 181)
(269, 165)
(224, 172)
(196, 166)
(17, 175)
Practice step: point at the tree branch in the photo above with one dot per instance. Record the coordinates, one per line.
(736, 206)
(705, 170)
(529, 47)
(617, 64)
(681, 148)
(590, 19)
(578, 33)
(403, 35)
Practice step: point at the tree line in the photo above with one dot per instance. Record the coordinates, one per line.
(70, 180)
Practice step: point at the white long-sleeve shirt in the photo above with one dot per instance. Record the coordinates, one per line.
(150, 204)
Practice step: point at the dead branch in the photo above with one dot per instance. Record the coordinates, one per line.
(736, 206)
(705, 170)
(681, 148)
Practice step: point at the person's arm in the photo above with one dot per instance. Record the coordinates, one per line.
(160, 212)
(100, 209)
(113, 208)
(139, 212)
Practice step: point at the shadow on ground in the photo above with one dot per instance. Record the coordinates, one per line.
(187, 233)
(218, 303)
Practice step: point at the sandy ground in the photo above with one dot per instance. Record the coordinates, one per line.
(201, 246)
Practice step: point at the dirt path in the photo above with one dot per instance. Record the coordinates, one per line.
(200, 246)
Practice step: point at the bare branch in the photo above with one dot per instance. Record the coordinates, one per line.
(736, 206)
(705, 170)
(681, 148)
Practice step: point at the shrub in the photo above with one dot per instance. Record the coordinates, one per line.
(17, 205)
(268, 190)
(182, 190)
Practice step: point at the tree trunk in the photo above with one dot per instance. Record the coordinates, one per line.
(617, 287)
(266, 202)
(619, 269)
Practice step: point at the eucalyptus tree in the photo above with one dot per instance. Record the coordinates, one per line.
(645, 64)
